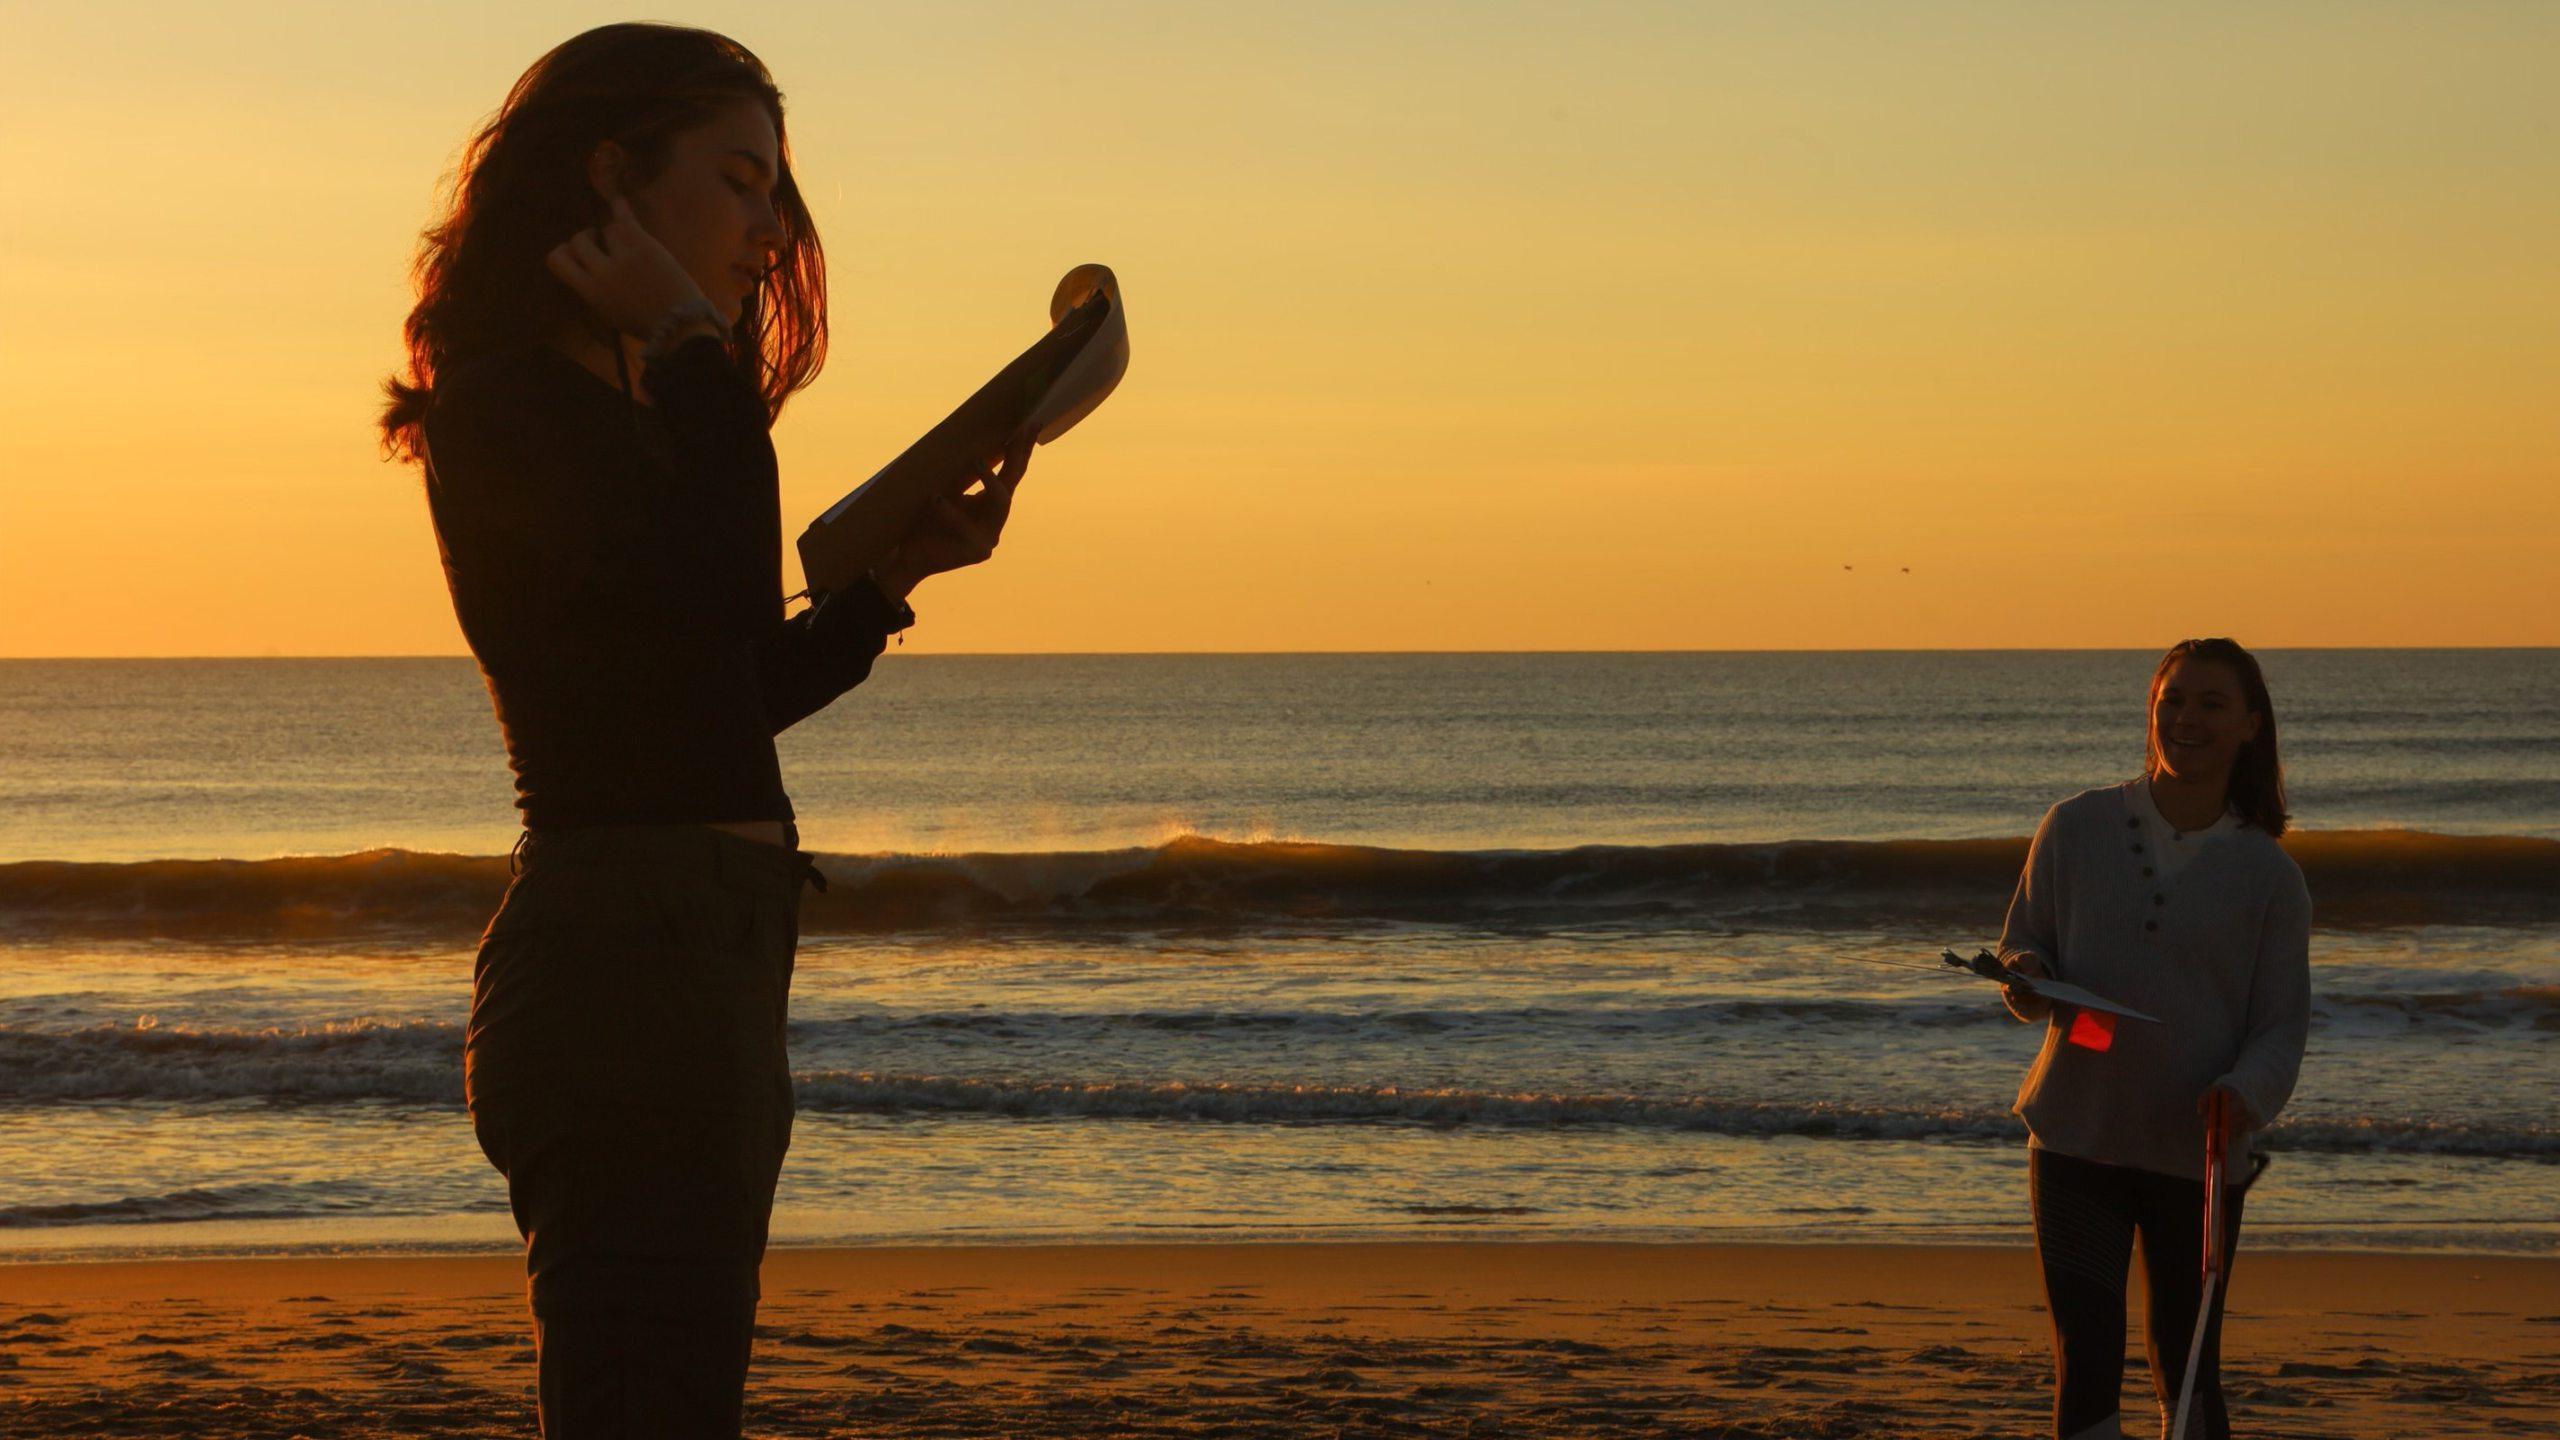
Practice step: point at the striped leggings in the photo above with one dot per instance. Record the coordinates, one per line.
(2087, 1216)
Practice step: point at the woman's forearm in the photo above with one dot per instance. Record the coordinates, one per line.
(896, 581)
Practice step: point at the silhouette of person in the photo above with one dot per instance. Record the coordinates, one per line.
(624, 292)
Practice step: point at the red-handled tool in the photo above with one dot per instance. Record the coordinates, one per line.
(2215, 1107)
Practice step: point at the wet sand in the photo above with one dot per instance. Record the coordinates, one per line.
(1407, 1339)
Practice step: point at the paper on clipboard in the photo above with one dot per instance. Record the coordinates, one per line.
(1043, 392)
(2085, 999)
(1988, 966)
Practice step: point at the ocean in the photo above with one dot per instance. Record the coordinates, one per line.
(1271, 947)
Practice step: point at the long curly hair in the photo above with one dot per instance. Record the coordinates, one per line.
(2257, 772)
(521, 188)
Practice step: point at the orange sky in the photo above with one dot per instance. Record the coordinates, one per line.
(1472, 326)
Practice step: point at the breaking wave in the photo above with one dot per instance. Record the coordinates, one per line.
(411, 1061)
(419, 1063)
(257, 1201)
(864, 1093)
(2364, 877)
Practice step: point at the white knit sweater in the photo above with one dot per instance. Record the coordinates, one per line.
(2219, 950)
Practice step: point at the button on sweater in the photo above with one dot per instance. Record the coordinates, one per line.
(2220, 951)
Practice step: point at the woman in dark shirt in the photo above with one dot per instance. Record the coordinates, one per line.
(625, 291)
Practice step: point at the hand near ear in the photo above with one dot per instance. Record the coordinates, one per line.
(624, 275)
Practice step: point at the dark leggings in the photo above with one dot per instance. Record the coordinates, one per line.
(626, 1073)
(2087, 1216)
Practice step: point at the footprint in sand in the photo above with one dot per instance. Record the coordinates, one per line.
(334, 1340)
(2366, 1369)
(182, 1366)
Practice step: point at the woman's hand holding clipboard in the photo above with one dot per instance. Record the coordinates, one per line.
(953, 533)
(894, 522)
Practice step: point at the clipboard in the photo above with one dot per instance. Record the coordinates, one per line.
(1988, 966)
(1045, 390)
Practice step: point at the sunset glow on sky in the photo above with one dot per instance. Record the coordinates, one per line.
(1463, 326)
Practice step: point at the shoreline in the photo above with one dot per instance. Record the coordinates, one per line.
(2524, 1274)
(2323, 1246)
(1414, 1337)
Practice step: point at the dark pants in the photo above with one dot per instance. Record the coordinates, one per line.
(2087, 1216)
(625, 1071)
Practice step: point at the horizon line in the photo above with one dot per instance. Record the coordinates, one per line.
(1236, 654)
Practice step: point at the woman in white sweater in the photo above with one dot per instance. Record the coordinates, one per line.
(2169, 894)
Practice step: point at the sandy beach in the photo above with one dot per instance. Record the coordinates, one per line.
(1450, 1338)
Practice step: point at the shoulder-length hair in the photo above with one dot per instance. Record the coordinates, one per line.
(2257, 772)
(521, 188)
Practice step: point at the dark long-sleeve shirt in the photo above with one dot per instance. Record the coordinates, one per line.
(617, 571)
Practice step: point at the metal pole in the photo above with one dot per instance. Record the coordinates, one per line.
(2212, 1259)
